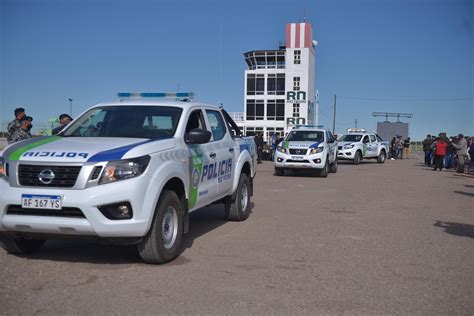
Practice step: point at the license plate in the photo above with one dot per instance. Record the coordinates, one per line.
(53, 202)
(297, 157)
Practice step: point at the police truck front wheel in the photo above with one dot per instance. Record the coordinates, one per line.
(333, 168)
(18, 245)
(237, 206)
(279, 171)
(357, 158)
(324, 172)
(162, 243)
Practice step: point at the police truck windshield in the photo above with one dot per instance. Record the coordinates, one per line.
(351, 138)
(126, 121)
(306, 136)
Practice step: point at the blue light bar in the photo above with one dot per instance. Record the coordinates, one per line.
(179, 95)
(310, 126)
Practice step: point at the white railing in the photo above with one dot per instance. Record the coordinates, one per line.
(238, 117)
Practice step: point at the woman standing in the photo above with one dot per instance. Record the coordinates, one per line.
(440, 153)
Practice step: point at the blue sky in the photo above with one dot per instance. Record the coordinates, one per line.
(376, 55)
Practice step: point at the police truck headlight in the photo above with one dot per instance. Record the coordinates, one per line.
(124, 169)
(317, 150)
(349, 146)
(281, 149)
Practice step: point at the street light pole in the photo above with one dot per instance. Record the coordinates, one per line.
(70, 107)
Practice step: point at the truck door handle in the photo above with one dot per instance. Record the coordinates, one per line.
(212, 155)
(231, 150)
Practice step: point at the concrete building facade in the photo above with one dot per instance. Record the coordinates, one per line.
(279, 88)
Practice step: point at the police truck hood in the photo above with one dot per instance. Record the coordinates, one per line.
(306, 144)
(81, 149)
(345, 143)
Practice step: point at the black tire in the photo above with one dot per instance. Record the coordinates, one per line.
(279, 171)
(238, 208)
(17, 245)
(324, 172)
(333, 168)
(382, 157)
(163, 241)
(357, 158)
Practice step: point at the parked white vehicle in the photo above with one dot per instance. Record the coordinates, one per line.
(129, 172)
(357, 144)
(307, 147)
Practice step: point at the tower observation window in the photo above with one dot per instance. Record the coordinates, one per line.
(255, 84)
(276, 110)
(255, 110)
(296, 83)
(280, 84)
(297, 57)
(271, 84)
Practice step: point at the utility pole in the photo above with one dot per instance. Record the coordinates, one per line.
(355, 123)
(334, 117)
(317, 108)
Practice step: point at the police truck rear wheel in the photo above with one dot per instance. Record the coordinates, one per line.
(162, 243)
(15, 245)
(381, 157)
(238, 209)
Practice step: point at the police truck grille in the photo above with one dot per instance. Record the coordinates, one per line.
(298, 151)
(64, 176)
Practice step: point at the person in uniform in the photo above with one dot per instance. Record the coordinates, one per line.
(22, 133)
(64, 120)
(14, 125)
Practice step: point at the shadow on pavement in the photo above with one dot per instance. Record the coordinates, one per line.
(464, 193)
(91, 251)
(203, 221)
(457, 229)
(85, 252)
(469, 186)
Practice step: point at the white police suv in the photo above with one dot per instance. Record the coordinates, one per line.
(307, 147)
(357, 144)
(128, 172)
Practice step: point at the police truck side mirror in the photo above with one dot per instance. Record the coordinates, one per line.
(197, 136)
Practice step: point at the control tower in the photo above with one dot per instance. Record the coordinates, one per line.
(280, 85)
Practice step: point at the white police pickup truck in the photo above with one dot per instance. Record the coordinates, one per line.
(128, 172)
(307, 147)
(357, 144)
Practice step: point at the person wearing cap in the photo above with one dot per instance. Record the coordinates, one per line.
(30, 119)
(64, 120)
(461, 147)
(22, 133)
(14, 125)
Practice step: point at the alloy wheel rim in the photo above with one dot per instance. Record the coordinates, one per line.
(169, 227)
(244, 194)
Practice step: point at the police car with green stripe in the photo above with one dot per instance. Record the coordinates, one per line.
(129, 172)
(307, 147)
(357, 144)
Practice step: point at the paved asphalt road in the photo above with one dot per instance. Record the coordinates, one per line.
(377, 239)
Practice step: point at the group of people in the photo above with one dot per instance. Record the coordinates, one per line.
(453, 152)
(20, 128)
(399, 148)
(273, 142)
